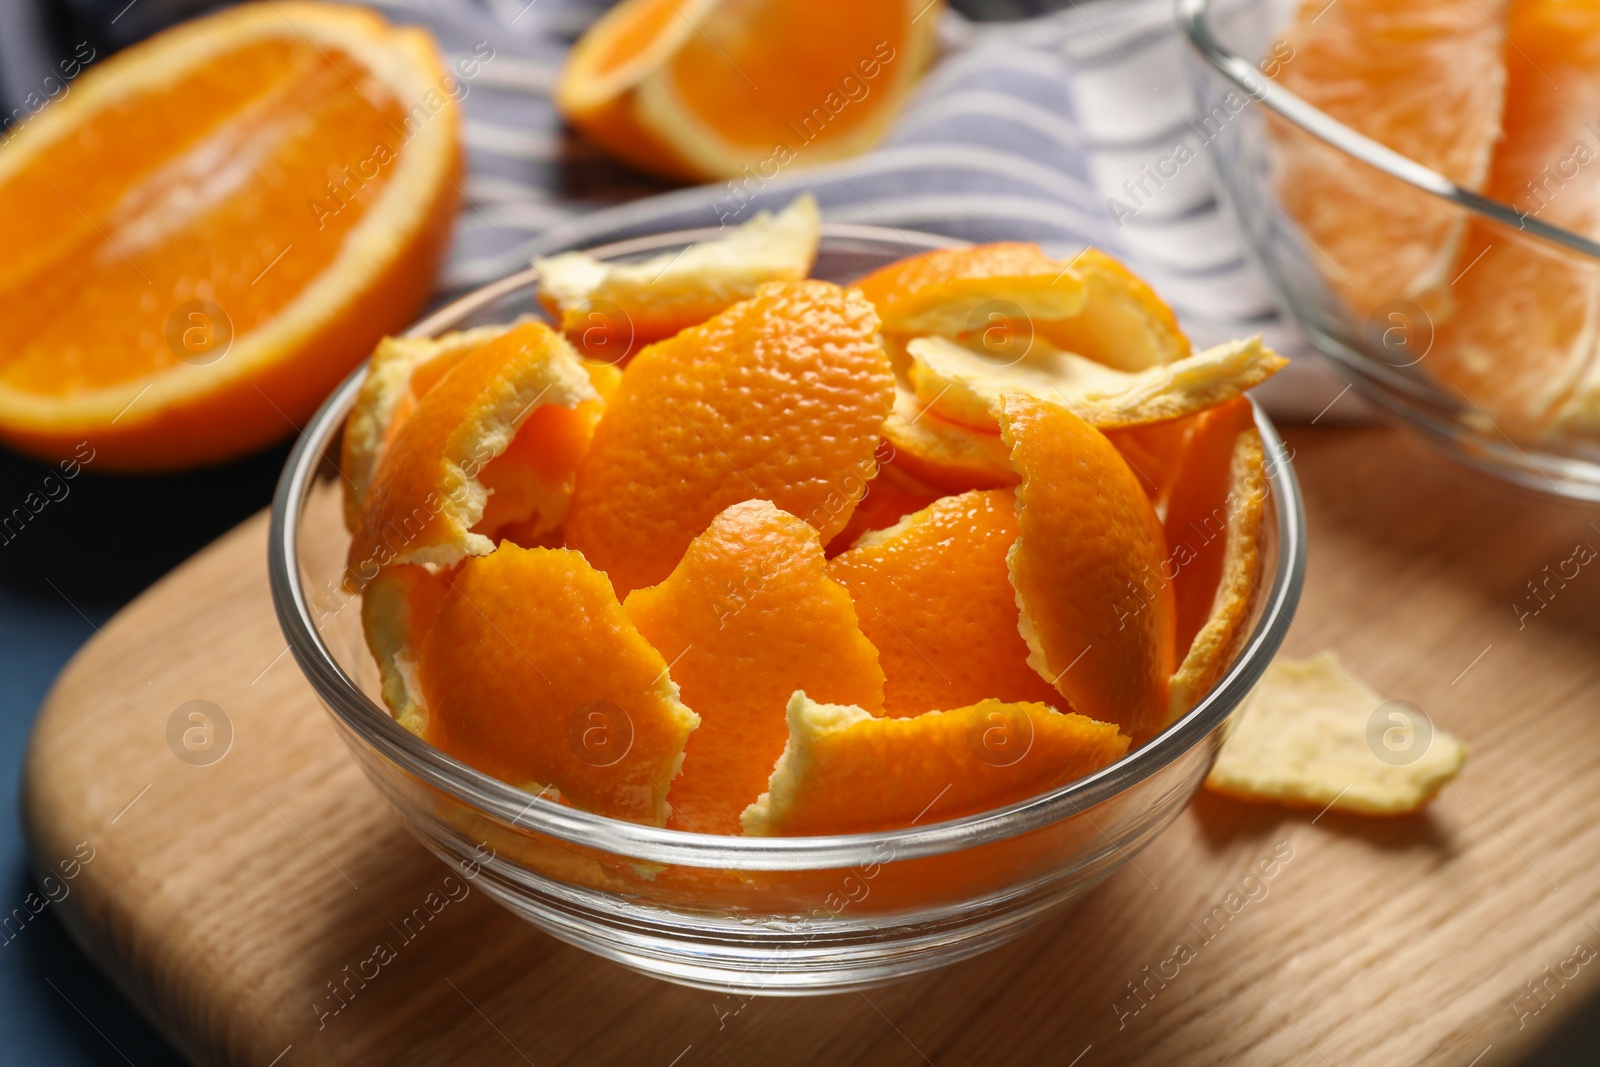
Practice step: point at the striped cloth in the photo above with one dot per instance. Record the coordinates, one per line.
(1021, 131)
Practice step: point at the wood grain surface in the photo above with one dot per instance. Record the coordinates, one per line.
(225, 898)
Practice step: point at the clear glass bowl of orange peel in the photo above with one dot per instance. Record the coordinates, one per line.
(1416, 182)
(529, 706)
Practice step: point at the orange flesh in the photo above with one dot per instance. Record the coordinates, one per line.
(790, 71)
(92, 271)
(748, 617)
(934, 597)
(642, 22)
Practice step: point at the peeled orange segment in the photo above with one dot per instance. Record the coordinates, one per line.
(711, 88)
(1214, 534)
(1123, 324)
(747, 617)
(401, 371)
(1423, 77)
(778, 398)
(1097, 609)
(891, 496)
(1524, 330)
(533, 673)
(845, 771)
(426, 495)
(965, 387)
(956, 290)
(219, 223)
(398, 605)
(634, 304)
(1154, 451)
(942, 453)
(933, 595)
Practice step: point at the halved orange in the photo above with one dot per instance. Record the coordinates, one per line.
(933, 594)
(1423, 77)
(215, 226)
(1523, 336)
(1097, 608)
(780, 398)
(708, 89)
(748, 616)
(427, 496)
(533, 673)
(610, 309)
(845, 771)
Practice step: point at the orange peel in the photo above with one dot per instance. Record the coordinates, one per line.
(532, 672)
(945, 291)
(426, 495)
(933, 595)
(780, 397)
(633, 304)
(748, 616)
(846, 771)
(1214, 530)
(944, 453)
(1098, 618)
(963, 386)
(397, 607)
(1123, 324)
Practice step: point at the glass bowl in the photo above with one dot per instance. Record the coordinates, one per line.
(1378, 339)
(767, 915)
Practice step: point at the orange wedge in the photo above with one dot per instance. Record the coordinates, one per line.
(1217, 516)
(397, 607)
(844, 771)
(619, 307)
(747, 617)
(933, 595)
(708, 89)
(532, 672)
(1523, 334)
(1097, 609)
(778, 398)
(1423, 77)
(214, 227)
(426, 495)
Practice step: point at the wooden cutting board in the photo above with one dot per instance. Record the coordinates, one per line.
(224, 898)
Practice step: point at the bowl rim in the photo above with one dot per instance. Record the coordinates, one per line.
(374, 725)
(1193, 19)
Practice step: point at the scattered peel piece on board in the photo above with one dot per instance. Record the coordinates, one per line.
(1307, 737)
(954, 381)
(634, 304)
(748, 616)
(533, 673)
(846, 771)
(426, 495)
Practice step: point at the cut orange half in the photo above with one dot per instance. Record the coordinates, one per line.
(703, 89)
(215, 226)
